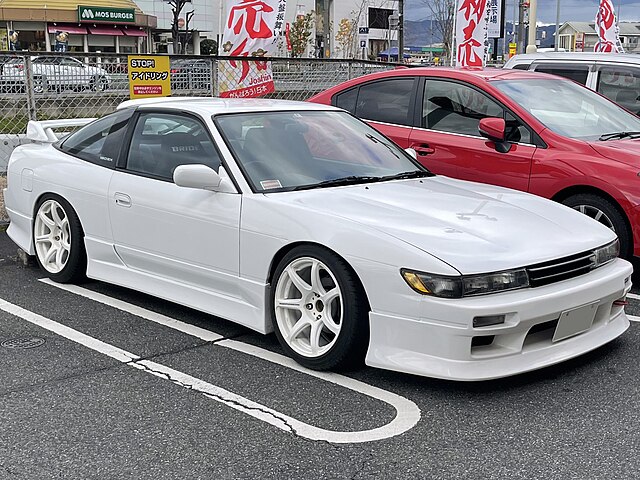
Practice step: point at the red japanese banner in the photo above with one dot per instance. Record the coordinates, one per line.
(252, 28)
(607, 29)
(471, 33)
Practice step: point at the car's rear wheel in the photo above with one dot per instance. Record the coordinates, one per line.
(605, 212)
(59, 240)
(319, 309)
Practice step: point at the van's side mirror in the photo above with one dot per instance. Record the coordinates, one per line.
(494, 129)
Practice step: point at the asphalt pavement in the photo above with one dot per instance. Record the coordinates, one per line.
(103, 382)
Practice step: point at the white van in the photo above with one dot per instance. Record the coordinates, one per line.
(614, 75)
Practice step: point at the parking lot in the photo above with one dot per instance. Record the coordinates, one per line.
(104, 382)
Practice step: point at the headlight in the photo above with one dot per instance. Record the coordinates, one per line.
(607, 253)
(466, 285)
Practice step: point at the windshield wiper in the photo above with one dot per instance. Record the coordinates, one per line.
(337, 182)
(618, 136)
(411, 174)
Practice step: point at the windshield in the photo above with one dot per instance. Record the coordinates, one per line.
(569, 109)
(281, 151)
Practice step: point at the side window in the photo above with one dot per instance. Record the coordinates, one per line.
(456, 108)
(386, 101)
(162, 141)
(577, 73)
(99, 142)
(516, 132)
(347, 100)
(622, 85)
(521, 66)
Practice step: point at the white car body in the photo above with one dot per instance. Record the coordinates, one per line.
(214, 251)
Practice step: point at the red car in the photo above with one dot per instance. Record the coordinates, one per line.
(524, 130)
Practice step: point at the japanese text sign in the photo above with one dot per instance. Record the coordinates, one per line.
(471, 33)
(149, 76)
(495, 24)
(607, 29)
(252, 28)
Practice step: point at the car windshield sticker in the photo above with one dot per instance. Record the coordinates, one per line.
(269, 184)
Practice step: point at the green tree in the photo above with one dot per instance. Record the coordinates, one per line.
(208, 47)
(300, 35)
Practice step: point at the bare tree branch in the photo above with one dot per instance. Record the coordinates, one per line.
(442, 12)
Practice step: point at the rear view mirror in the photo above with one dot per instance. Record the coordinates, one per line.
(412, 152)
(201, 177)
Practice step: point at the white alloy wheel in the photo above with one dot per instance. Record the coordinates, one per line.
(309, 307)
(52, 236)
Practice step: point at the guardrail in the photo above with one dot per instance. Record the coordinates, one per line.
(49, 86)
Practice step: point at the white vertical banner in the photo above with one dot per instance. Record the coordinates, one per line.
(495, 23)
(472, 42)
(251, 29)
(607, 29)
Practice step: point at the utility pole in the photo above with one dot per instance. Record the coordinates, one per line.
(557, 39)
(520, 48)
(400, 31)
(326, 36)
(533, 21)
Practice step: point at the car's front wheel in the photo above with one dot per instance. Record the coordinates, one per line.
(59, 240)
(319, 309)
(98, 84)
(605, 212)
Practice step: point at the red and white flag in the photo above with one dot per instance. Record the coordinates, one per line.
(252, 28)
(471, 33)
(607, 29)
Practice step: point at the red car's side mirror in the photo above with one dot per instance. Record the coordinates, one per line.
(494, 129)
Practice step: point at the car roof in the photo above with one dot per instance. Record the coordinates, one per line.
(215, 106)
(457, 73)
(575, 56)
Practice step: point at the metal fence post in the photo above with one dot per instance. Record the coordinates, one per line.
(350, 70)
(28, 86)
(214, 77)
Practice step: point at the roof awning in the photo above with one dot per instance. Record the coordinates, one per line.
(106, 31)
(71, 29)
(134, 32)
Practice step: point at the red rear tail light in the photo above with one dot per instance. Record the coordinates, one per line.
(19, 67)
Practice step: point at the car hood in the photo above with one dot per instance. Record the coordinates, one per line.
(625, 151)
(464, 224)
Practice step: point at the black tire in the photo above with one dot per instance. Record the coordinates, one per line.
(352, 340)
(75, 267)
(612, 218)
(98, 84)
(40, 84)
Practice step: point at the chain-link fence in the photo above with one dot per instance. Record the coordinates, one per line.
(79, 85)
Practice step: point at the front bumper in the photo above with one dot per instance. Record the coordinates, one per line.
(443, 343)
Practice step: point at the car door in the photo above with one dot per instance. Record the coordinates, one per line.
(448, 141)
(75, 73)
(620, 83)
(190, 236)
(387, 105)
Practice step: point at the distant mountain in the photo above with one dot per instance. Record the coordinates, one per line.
(426, 32)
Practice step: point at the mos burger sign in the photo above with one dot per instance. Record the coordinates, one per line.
(106, 14)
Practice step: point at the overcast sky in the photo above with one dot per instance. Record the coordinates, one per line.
(578, 10)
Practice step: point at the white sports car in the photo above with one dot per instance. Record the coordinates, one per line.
(299, 218)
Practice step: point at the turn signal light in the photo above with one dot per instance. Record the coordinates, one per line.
(488, 321)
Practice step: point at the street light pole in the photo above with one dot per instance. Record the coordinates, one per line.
(557, 40)
(533, 20)
(400, 31)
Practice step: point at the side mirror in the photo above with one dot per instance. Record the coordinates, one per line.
(494, 129)
(201, 177)
(412, 152)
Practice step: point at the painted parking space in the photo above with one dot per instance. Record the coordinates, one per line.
(102, 415)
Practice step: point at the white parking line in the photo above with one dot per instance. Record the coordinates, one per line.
(634, 296)
(633, 318)
(407, 412)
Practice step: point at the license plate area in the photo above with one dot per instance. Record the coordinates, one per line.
(575, 321)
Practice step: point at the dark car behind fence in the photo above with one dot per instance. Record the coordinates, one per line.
(45, 86)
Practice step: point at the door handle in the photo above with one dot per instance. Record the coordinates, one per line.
(423, 149)
(123, 200)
